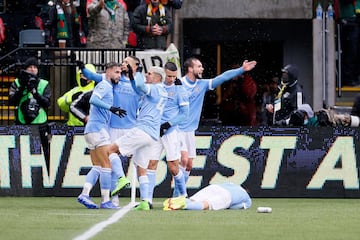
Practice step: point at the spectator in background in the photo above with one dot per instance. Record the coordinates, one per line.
(303, 116)
(131, 6)
(289, 97)
(82, 11)
(310, 118)
(30, 95)
(175, 4)
(65, 100)
(2, 32)
(19, 15)
(108, 24)
(65, 23)
(352, 119)
(152, 25)
(347, 13)
(238, 104)
(269, 92)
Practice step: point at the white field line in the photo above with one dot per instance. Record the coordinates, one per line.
(101, 225)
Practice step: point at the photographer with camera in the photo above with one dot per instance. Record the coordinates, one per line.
(30, 95)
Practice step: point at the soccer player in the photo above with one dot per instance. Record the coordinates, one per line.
(126, 98)
(196, 88)
(98, 139)
(139, 141)
(176, 110)
(213, 197)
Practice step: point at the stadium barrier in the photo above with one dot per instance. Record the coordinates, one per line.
(270, 162)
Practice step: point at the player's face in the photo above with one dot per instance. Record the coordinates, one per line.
(114, 74)
(170, 76)
(152, 77)
(197, 69)
(128, 61)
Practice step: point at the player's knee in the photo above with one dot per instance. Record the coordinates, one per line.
(153, 164)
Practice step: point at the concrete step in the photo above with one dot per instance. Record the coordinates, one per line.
(346, 96)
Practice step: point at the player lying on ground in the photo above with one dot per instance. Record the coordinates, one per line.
(213, 197)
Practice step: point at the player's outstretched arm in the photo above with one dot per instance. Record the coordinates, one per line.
(230, 74)
(247, 66)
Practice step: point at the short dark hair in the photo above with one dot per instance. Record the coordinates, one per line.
(136, 59)
(170, 66)
(189, 63)
(112, 64)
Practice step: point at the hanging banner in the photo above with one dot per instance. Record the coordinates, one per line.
(151, 58)
(270, 162)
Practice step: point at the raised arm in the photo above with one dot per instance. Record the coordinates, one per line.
(230, 74)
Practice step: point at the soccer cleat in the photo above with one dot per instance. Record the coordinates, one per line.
(166, 205)
(143, 206)
(115, 201)
(121, 183)
(175, 203)
(108, 205)
(87, 202)
(178, 203)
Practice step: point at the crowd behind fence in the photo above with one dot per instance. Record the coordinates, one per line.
(58, 66)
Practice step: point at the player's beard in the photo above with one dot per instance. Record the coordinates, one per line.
(198, 75)
(113, 81)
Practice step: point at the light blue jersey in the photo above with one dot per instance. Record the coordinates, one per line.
(124, 97)
(151, 106)
(196, 92)
(240, 199)
(99, 115)
(177, 107)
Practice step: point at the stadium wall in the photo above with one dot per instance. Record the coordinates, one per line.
(270, 162)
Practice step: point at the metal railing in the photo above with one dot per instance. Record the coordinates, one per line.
(56, 65)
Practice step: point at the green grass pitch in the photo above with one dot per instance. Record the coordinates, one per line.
(63, 218)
